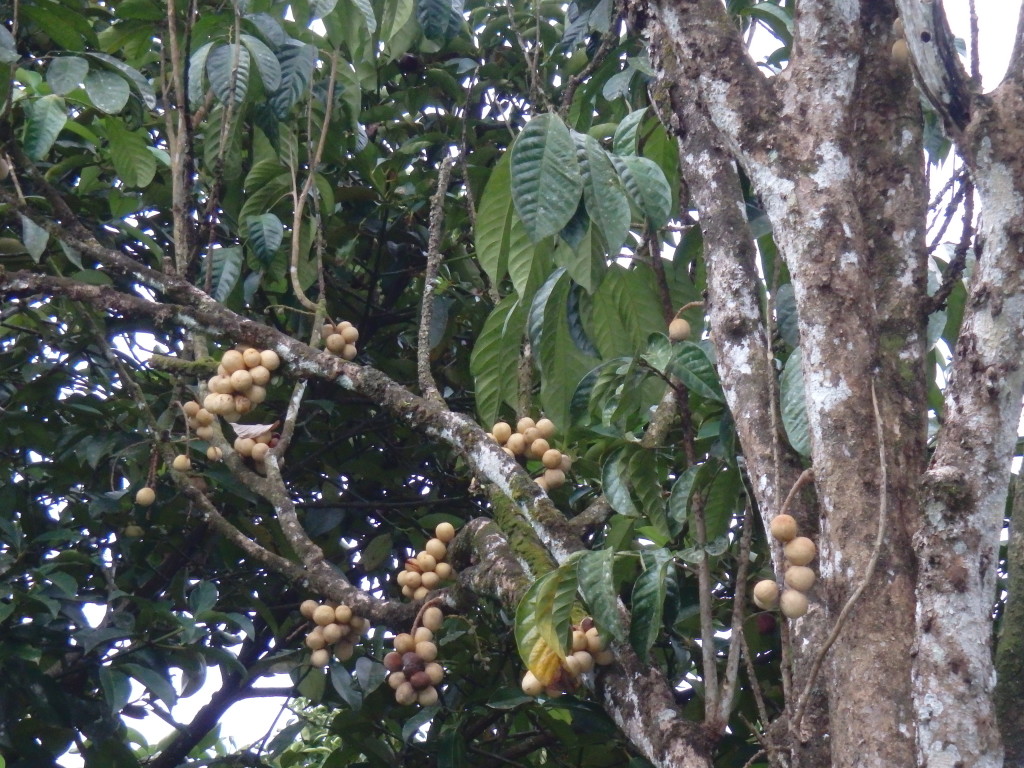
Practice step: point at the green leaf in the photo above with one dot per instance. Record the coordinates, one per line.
(494, 222)
(785, 311)
(648, 601)
(202, 597)
(265, 235)
(320, 8)
(108, 92)
(545, 612)
(562, 365)
(597, 586)
(366, 9)
(440, 20)
(345, 685)
(370, 674)
(721, 504)
(690, 364)
(626, 310)
(228, 69)
(297, 64)
(134, 77)
(117, 689)
(155, 682)
(624, 141)
(794, 408)
(495, 358)
(585, 262)
(647, 186)
(46, 118)
(34, 237)
(602, 193)
(546, 181)
(8, 55)
(197, 74)
(679, 498)
(528, 263)
(227, 267)
(266, 62)
(66, 73)
(615, 483)
(129, 150)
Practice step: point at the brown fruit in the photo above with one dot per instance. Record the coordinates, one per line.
(579, 640)
(307, 607)
(134, 531)
(900, 52)
(315, 640)
(766, 594)
(244, 446)
(595, 641)
(546, 428)
(404, 643)
(260, 375)
(793, 604)
(191, 408)
(443, 571)
(393, 661)
(445, 532)
(343, 614)
(145, 496)
(405, 694)
(182, 463)
(784, 528)
(350, 334)
(539, 447)
(502, 432)
(344, 650)
(530, 435)
(242, 404)
(554, 478)
(426, 561)
(204, 418)
(349, 352)
(334, 632)
(423, 635)
(524, 424)
(335, 343)
(585, 660)
(251, 357)
(426, 650)
(800, 577)
(412, 663)
(323, 615)
(204, 433)
(320, 658)
(260, 451)
(679, 330)
(420, 680)
(430, 580)
(517, 444)
(413, 579)
(604, 658)
(395, 679)
(213, 453)
(435, 671)
(800, 551)
(427, 697)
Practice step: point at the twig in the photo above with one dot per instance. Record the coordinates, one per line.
(707, 627)
(300, 197)
(956, 265)
(427, 384)
(975, 44)
(806, 477)
(883, 513)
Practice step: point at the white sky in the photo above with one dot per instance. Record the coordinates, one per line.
(249, 720)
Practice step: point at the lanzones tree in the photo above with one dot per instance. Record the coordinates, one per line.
(538, 384)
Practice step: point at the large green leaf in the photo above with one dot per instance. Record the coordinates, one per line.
(265, 235)
(494, 222)
(108, 91)
(602, 193)
(794, 407)
(545, 612)
(785, 313)
(197, 73)
(46, 118)
(645, 182)
(585, 262)
(528, 263)
(132, 75)
(495, 359)
(648, 601)
(226, 268)
(625, 140)
(439, 19)
(298, 60)
(134, 163)
(615, 483)
(625, 310)
(228, 69)
(597, 586)
(266, 62)
(66, 73)
(690, 364)
(546, 181)
(562, 365)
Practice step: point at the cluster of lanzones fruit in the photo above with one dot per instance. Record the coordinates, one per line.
(336, 628)
(799, 578)
(413, 667)
(429, 569)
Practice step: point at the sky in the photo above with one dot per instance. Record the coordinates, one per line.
(249, 720)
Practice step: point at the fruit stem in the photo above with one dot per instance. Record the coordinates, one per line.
(691, 305)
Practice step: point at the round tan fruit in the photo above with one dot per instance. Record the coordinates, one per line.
(524, 424)
(555, 478)
(784, 528)
(432, 618)
(517, 444)
(403, 643)
(405, 694)
(244, 446)
(530, 435)
(426, 650)
(800, 551)
(349, 352)
(251, 357)
(595, 642)
(260, 375)
(800, 577)
(679, 330)
(897, 28)
(427, 697)
(320, 658)
(430, 580)
(315, 640)
(766, 594)
(531, 685)
(307, 607)
(413, 579)
(145, 496)
(900, 52)
(181, 463)
(604, 658)
(423, 635)
(566, 464)
(546, 428)
(435, 672)
(437, 548)
(572, 665)
(191, 408)
(257, 394)
(585, 660)
(242, 404)
(350, 334)
(260, 451)
(343, 614)
(344, 651)
(270, 360)
(443, 571)
(579, 640)
(336, 343)
(232, 361)
(426, 561)
(204, 418)
(552, 459)
(213, 453)
(445, 532)
(221, 385)
(204, 433)
(323, 615)
(5, 169)
(396, 678)
(539, 447)
(502, 432)
(793, 604)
